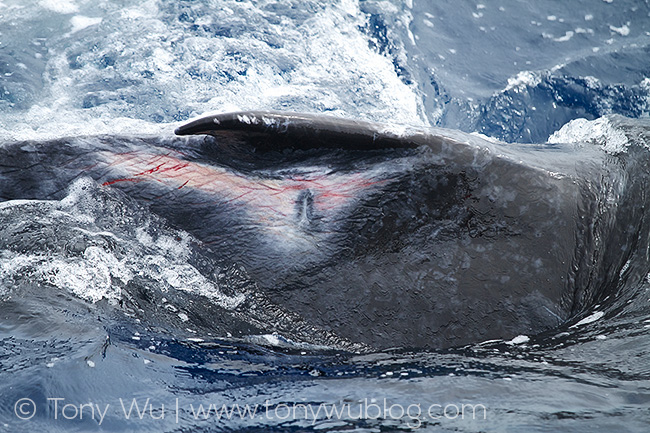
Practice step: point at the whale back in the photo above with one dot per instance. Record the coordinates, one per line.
(381, 235)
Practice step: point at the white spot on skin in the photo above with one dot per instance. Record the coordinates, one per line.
(589, 319)
(519, 339)
(624, 30)
(90, 363)
(249, 120)
(488, 342)
(568, 35)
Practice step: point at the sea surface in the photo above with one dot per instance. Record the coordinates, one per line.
(72, 359)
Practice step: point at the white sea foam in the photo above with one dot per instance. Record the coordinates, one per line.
(98, 272)
(523, 79)
(60, 6)
(89, 277)
(599, 131)
(80, 22)
(486, 137)
(94, 81)
(46, 123)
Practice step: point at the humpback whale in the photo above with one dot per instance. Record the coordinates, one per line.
(384, 236)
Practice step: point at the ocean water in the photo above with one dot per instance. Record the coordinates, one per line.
(78, 354)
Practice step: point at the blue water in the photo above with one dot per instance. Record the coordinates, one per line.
(515, 71)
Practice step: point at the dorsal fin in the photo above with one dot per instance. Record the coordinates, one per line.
(276, 130)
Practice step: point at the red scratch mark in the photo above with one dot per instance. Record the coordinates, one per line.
(121, 180)
(267, 200)
(238, 197)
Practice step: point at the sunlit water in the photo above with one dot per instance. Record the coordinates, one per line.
(505, 69)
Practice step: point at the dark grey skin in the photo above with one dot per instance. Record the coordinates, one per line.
(385, 238)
